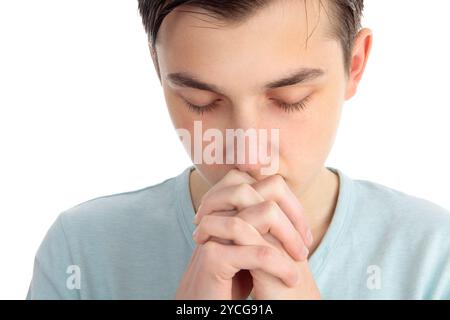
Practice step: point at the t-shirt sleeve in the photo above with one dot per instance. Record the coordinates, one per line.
(55, 277)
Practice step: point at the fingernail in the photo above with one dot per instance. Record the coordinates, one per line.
(196, 215)
(195, 232)
(309, 237)
(305, 253)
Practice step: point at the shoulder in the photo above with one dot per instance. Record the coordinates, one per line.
(107, 234)
(407, 234)
(114, 208)
(400, 212)
(126, 218)
(398, 204)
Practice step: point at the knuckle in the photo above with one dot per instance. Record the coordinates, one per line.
(269, 205)
(271, 213)
(264, 254)
(244, 188)
(277, 185)
(234, 174)
(278, 180)
(234, 224)
(241, 190)
(271, 209)
(280, 184)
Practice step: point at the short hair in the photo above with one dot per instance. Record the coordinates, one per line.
(345, 16)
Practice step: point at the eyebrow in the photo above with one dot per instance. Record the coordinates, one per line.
(184, 79)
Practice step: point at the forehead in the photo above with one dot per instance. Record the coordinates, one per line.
(284, 34)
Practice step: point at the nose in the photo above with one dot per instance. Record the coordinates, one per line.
(249, 147)
(245, 115)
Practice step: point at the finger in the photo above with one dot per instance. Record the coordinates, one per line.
(235, 257)
(234, 197)
(229, 213)
(272, 188)
(233, 177)
(276, 189)
(228, 228)
(267, 217)
(269, 238)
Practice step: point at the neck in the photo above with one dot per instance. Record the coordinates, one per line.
(318, 199)
(319, 202)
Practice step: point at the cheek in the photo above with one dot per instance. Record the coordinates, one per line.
(309, 140)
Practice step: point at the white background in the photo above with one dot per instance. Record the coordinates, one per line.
(82, 113)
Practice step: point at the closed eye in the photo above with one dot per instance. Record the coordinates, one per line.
(297, 106)
(201, 109)
(287, 107)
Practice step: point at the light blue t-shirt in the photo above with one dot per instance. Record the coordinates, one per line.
(381, 244)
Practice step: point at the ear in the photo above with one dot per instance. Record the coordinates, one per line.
(155, 59)
(360, 56)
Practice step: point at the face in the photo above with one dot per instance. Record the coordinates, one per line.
(239, 68)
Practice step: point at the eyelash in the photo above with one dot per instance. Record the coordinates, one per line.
(290, 107)
(287, 107)
(201, 109)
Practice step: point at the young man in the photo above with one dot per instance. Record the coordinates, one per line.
(303, 231)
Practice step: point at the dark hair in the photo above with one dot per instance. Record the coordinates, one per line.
(345, 16)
